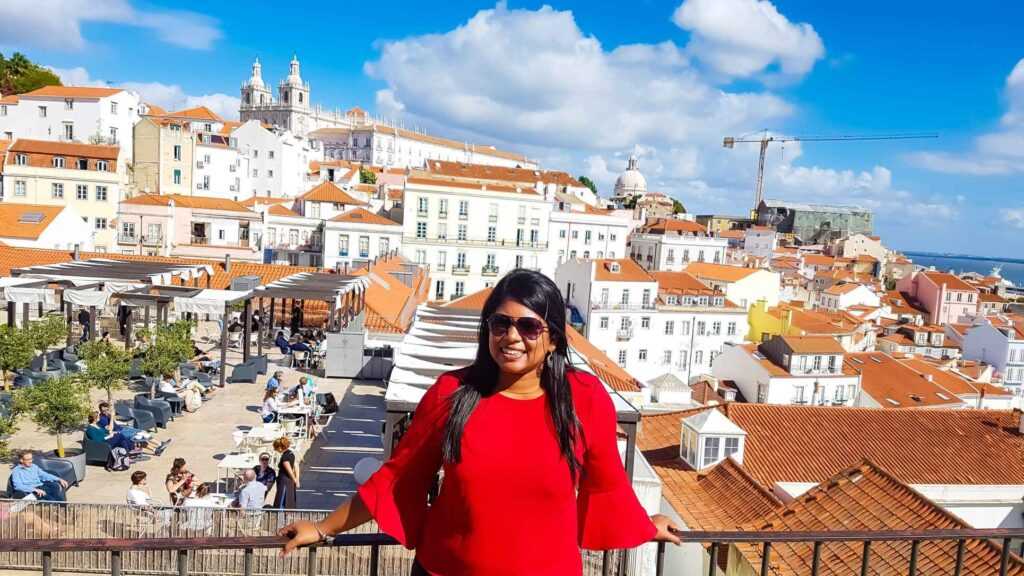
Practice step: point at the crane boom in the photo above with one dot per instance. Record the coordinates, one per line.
(764, 141)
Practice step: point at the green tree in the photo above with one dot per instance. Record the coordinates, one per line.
(631, 201)
(47, 332)
(15, 351)
(58, 405)
(18, 75)
(367, 176)
(588, 183)
(677, 207)
(107, 367)
(171, 345)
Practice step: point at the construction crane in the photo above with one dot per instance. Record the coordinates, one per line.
(730, 142)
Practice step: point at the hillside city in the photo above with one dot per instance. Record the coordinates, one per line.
(776, 368)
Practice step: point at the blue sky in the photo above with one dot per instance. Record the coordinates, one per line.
(580, 85)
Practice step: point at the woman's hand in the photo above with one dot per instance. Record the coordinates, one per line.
(665, 526)
(301, 533)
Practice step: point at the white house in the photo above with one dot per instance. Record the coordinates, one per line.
(759, 241)
(278, 160)
(669, 244)
(579, 230)
(358, 236)
(40, 226)
(221, 171)
(789, 370)
(471, 232)
(289, 237)
(89, 115)
(744, 286)
(999, 341)
(843, 296)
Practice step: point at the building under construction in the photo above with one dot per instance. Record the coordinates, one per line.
(814, 223)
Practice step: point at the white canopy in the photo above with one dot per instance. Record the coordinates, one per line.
(20, 295)
(97, 298)
(208, 301)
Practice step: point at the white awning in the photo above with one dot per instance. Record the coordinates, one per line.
(97, 298)
(208, 301)
(20, 295)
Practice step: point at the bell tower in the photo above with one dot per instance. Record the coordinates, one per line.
(255, 93)
(293, 96)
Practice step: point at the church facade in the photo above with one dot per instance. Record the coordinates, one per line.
(291, 109)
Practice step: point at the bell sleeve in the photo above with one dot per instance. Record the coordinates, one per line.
(396, 495)
(610, 515)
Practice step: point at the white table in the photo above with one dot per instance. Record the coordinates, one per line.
(235, 462)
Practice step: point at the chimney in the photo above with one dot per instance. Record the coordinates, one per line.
(981, 401)
(929, 377)
(227, 262)
(1020, 420)
(77, 253)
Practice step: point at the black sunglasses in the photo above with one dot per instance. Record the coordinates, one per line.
(527, 327)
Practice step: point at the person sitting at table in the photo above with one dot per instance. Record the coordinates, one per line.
(179, 481)
(27, 478)
(265, 473)
(106, 421)
(138, 493)
(300, 345)
(282, 343)
(253, 493)
(119, 439)
(270, 406)
(198, 498)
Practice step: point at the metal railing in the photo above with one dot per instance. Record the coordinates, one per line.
(625, 307)
(123, 238)
(489, 271)
(494, 243)
(152, 240)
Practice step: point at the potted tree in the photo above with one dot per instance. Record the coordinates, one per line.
(106, 367)
(15, 351)
(45, 333)
(59, 406)
(171, 346)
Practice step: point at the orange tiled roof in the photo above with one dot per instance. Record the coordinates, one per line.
(629, 271)
(813, 344)
(9, 99)
(474, 301)
(330, 192)
(813, 443)
(98, 151)
(984, 296)
(665, 225)
(952, 282)
(279, 210)
(719, 272)
(840, 289)
(252, 201)
(603, 366)
(11, 227)
(362, 216)
(956, 383)
(394, 304)
(680, 283)
(197, 113)
(427, 179)
(194, 202)
(155, 110)
(732, 234)
(819, 260)
(894, 384)
(866, 497)
(72, 92)
(500, 173)
(229, 126)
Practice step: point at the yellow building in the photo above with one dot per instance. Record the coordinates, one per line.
(788, 320)
(164, 150)
(83, 176)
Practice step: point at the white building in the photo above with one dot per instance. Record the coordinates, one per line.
(81, 114)
(999, 341)
(39, 226)
(843, 296)
(651, 325)
(667, 244)
(291, 110)
(760, 241)
(278, 160)
(357, 236)
(470, 233)
(629, 183)
(579, 230)
(790, 370)
(289, 237)
(744, 286)
(221, 171)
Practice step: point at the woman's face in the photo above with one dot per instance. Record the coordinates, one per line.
(512, 351)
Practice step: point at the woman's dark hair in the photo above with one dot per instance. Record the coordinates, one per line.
(538, 293)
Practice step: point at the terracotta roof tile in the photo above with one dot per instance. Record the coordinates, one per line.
(813, 443)
(194, 202)
(813, 344)
(154, 110)
(427, 179)
(279, 210)
(11, 215)
(500, 173)
(72, 92)
(666, 225)
(98, 151)
(253, 201)
(330, 192)
(603, 366)
(474, 301)
(629, 271)
(681, 283)
(362, 216)
(894, 384)
(719, 272)
(197, 113)
(9, 99)
(951, 282)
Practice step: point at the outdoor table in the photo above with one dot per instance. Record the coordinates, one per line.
(235, 462)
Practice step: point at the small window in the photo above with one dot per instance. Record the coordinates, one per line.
(21, 159)
(101, 165)
(604, 322)
(670, 327)
(82, 192)
(42, 111)
(622, 357)
(113, 107)
(642, 355)
(57, 190)
(100, 223)
(711, 446)
(19, 188)
(645, 322)
(732, 446)
(58, 162)
(82, 164)
(69, 104)
(177, 176)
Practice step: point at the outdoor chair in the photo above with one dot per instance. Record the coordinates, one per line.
(147, 520)
(135, 370)
(187, 370)
(261, 363)
(36, 365)
(137, 418)
(95, 452)
(60, 468)
(245, 372)
(177, 403)
(69, 357)
(204, 379)
(21, 381)
(160, 410)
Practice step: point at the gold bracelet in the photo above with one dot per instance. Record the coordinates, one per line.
(323, 535)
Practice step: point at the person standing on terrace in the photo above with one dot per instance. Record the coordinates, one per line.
(529, 452)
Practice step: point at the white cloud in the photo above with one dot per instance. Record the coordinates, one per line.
(997, 152)
(742, 38)
(1014, 217)
(57, 24)
(168, 96)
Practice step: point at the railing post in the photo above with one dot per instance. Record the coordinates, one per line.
(247, 562)
(712, 559)
(182, 562)
(311, 562)
(1004, 558)
(914, 545)
(959, 567)
(659, 567)
(816, 558)
(766, 554)
(606, 564)
(115, 563)
(865, 558)
(47, 561)
(374, 560)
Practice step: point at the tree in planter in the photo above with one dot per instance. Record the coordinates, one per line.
(15, 351)
(58, 405)
(106, 367)
(45, 333)
(171, 346)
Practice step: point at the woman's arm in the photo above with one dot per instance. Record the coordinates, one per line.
(291, 473)
(351, 514)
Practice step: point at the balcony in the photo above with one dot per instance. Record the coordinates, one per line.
(123, 238)
(463, 216)
(460, 270)
(200, 240)
(440, 267)
(624, 334)
(442, 215)
(153, 240)
(492, 218)
(622, 307)
(421, 213)
(489, 271)
(487, 243)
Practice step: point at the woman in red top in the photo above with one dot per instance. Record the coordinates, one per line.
(528, 449)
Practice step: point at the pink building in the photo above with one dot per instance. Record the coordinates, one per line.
(945, 297)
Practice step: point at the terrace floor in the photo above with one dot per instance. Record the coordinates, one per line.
(205, 436)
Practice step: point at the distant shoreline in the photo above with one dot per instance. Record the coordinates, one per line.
(966, 257)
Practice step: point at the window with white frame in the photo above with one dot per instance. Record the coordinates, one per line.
(81, 192)
(625, 296)
(817, 363)
(701, 328)
(56, 190)
(670, 327)
(666, 358)
(684, 357)
(460, 260)
(624, 323)
(463, 208)
(622, 357)
(461, 232)
(686, 328)
(730, 329)
(58, 161)
(711, 447)
(177, 176)
(716, 328)
(698, 357)
(732, 446)
(423, 205)
(442, 207)
(421, 229)
(645, 322)
(100, 223)
(69, 131)
(460, 288)
(642, 355)
(19, 188)
(603, 322)
(21, 159)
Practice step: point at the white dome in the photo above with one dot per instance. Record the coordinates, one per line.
(631, 181)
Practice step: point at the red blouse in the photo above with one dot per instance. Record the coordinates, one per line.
(509, 507)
